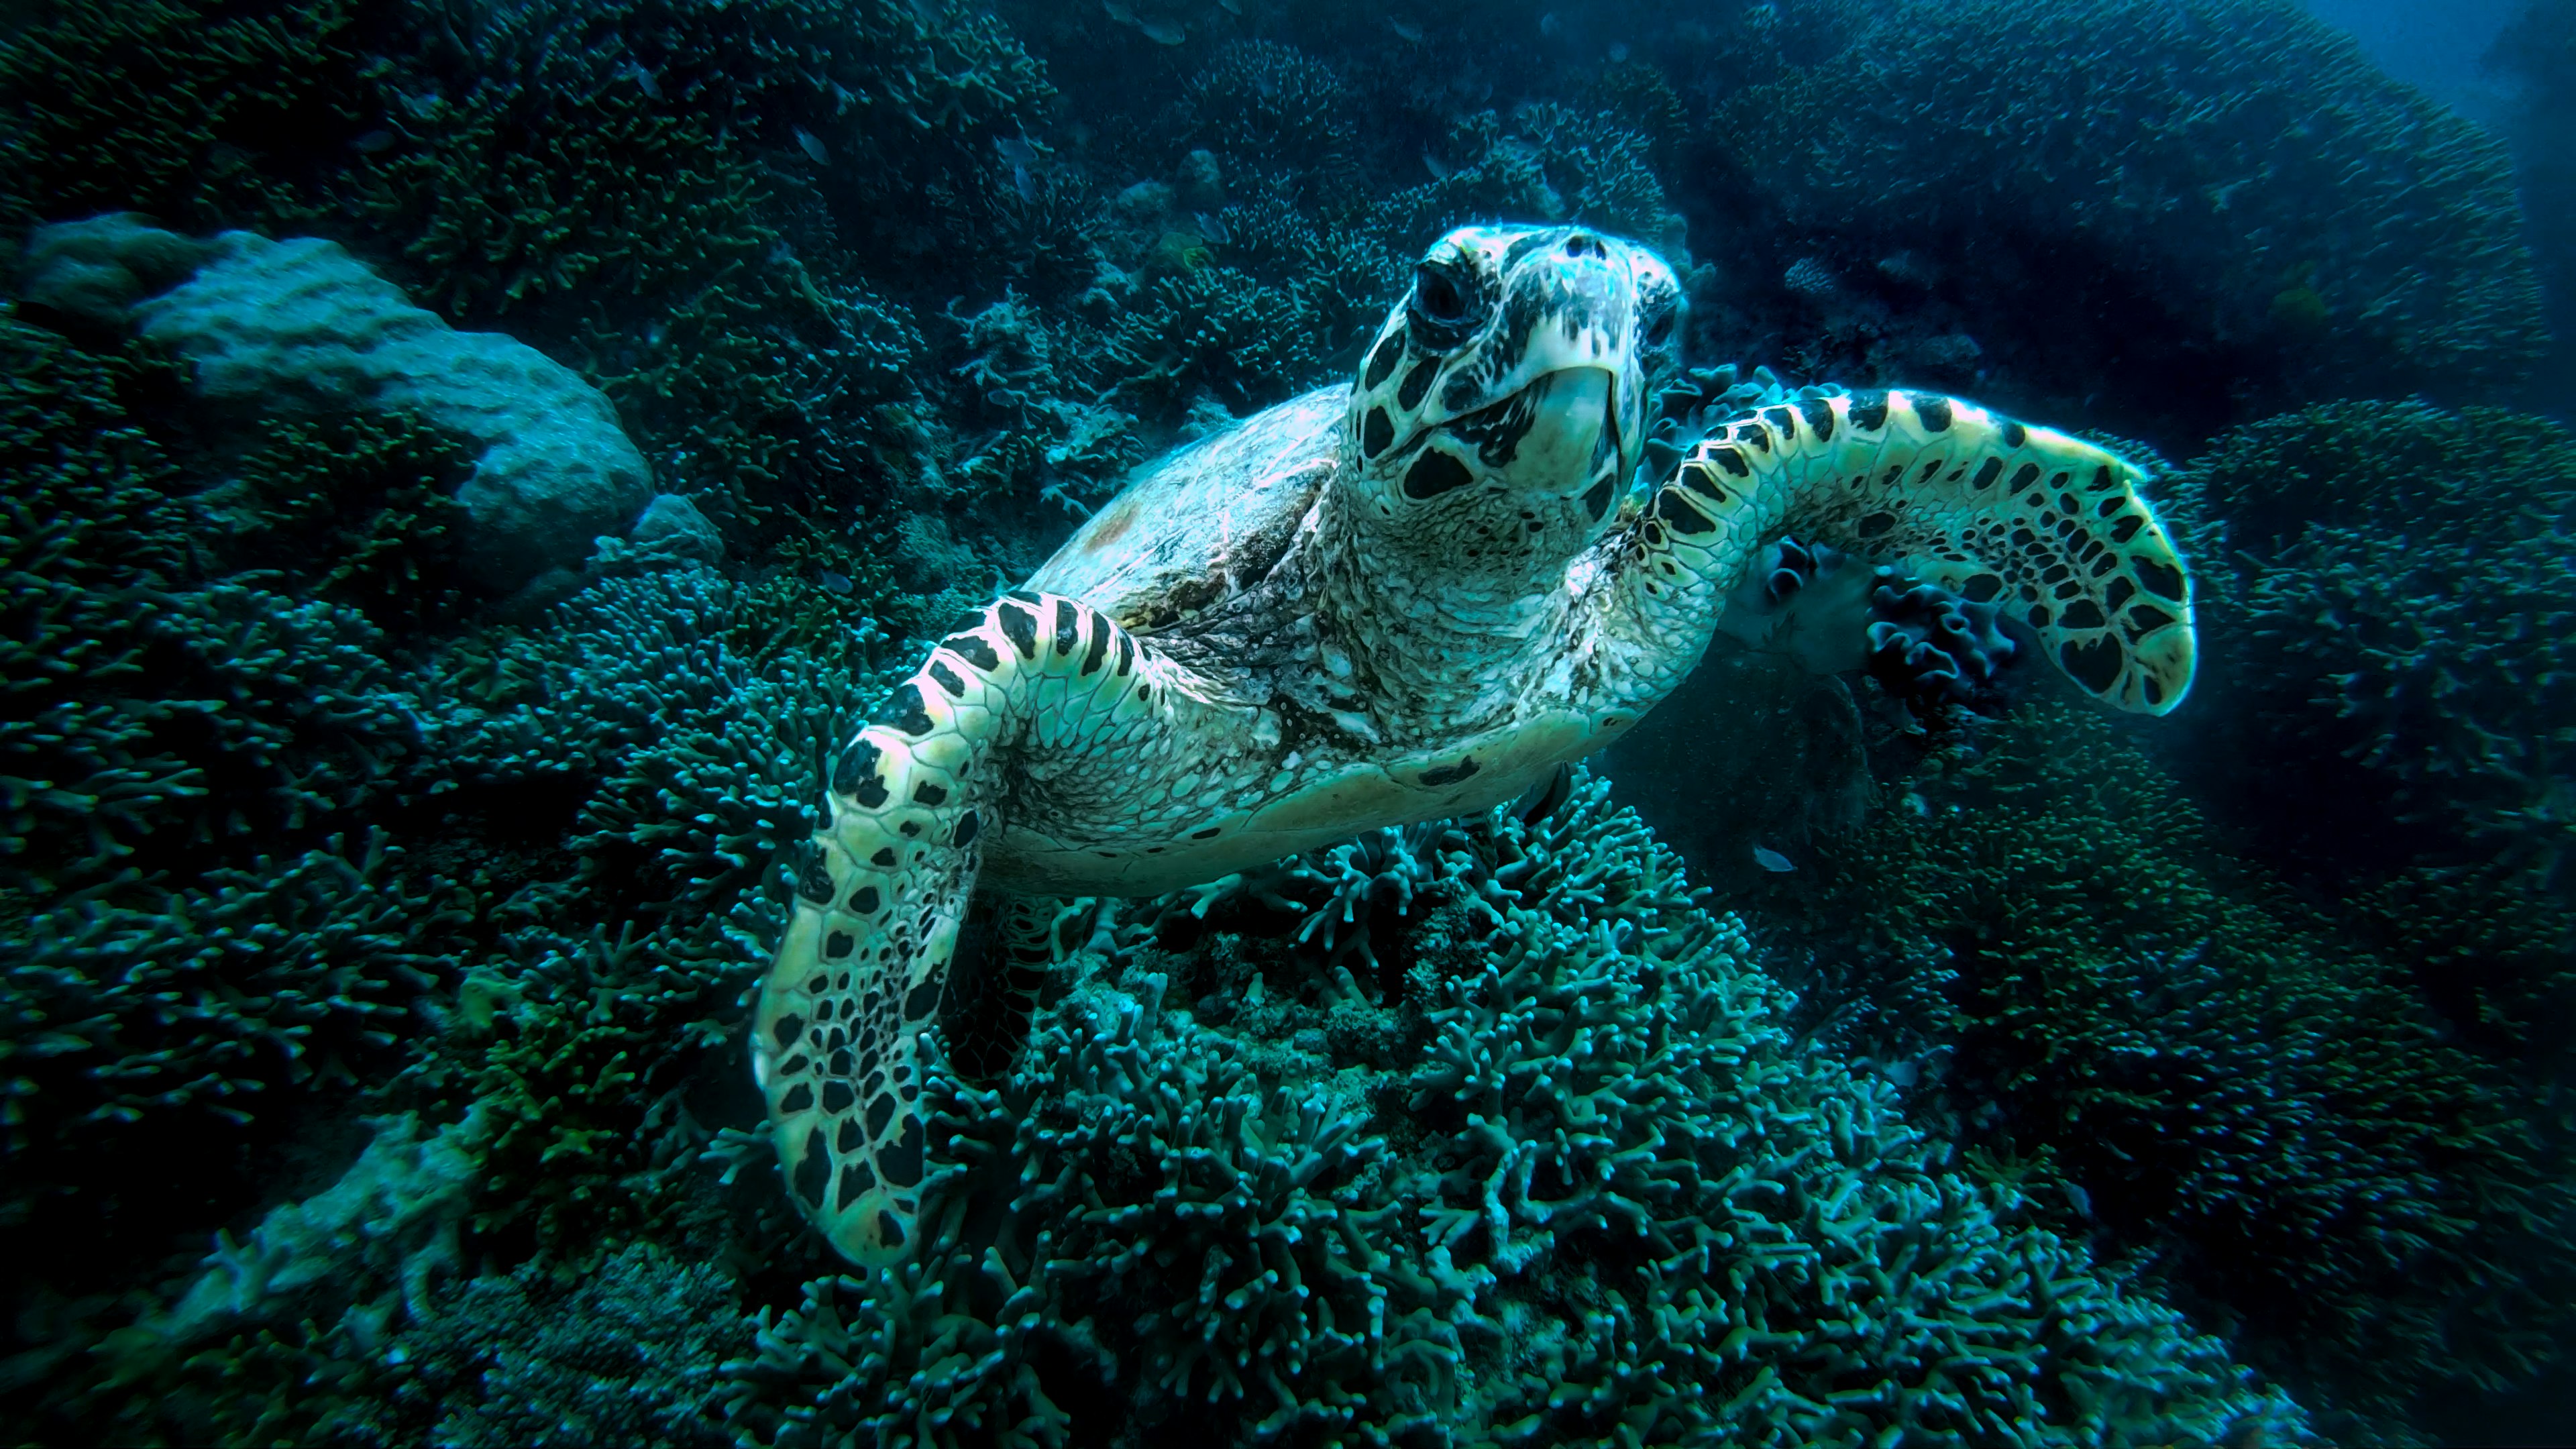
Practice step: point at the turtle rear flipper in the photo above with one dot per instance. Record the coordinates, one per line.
(2049, 528)
(882, 893)
(1009, 945)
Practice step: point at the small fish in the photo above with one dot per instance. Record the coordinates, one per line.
(1230, 7)
(1550, 26)
(1019, 155)
(644, 79)
(2080, 1200)
(813, 146)
(1439, 169)
(374, 141)
(833, 583)
(1618, 52)
(1404, 31)
(1118, 12)
(1772, 860)
(1162, 34)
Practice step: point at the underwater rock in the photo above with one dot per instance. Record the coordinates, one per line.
(391, 1219)
(94, 271)
(673, 524)
(301, 325)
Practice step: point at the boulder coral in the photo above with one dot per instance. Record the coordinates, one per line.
(301, 325)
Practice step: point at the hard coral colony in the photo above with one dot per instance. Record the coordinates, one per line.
(795, 723)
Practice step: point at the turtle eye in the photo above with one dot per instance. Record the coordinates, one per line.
(1436, 297)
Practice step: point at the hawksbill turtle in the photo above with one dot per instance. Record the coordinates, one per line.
(1411, 596)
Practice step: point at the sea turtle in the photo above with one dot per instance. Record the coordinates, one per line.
(1411, 596)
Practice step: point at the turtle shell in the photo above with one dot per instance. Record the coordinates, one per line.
(1206, 521)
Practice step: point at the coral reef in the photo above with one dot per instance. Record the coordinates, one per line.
(219, 712)
(2270, 1114)
(203, 116)
(355, 510)
(1177, 1229)
(1544, 161)
(1270, 108)
(221, 1362)
(2390, 627)
(2538, 51)
(89, 521)
(2150, 140)
(188, 1018)
(627, 1354)
(1619, 1205)
(380, 875)
(553, 1005)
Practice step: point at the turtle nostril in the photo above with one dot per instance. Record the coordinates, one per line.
(1584, 244)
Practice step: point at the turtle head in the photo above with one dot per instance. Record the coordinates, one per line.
(1502, 407)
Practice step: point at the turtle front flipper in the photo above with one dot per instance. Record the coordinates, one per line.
(882, 892)
(2050, 528)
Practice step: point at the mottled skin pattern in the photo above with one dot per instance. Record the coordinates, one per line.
(1410, 598)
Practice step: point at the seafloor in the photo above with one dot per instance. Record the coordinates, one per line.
(466, 462)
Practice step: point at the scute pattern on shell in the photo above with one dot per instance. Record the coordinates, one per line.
(1274, 640)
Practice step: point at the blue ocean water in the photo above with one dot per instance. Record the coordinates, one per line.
(904, 722)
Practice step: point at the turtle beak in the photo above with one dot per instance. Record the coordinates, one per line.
(1573, 418)
(1613, 440)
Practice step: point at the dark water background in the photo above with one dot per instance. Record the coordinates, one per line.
(489, 452)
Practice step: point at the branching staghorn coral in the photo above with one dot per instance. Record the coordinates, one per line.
(1209, 327)
(204, 116)
(1753, 1242)
(2155, 139)
(1614, 1202)
(1130, 1206)
(360, 511)
(2391, 624)
(1543, 161)
(2268, 1114)
(1269, 107)
(150, 722)
(693, 771)
(144, 1044)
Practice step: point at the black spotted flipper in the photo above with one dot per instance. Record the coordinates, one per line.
(2048, 527)
(882, 893)
(1011, 942)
